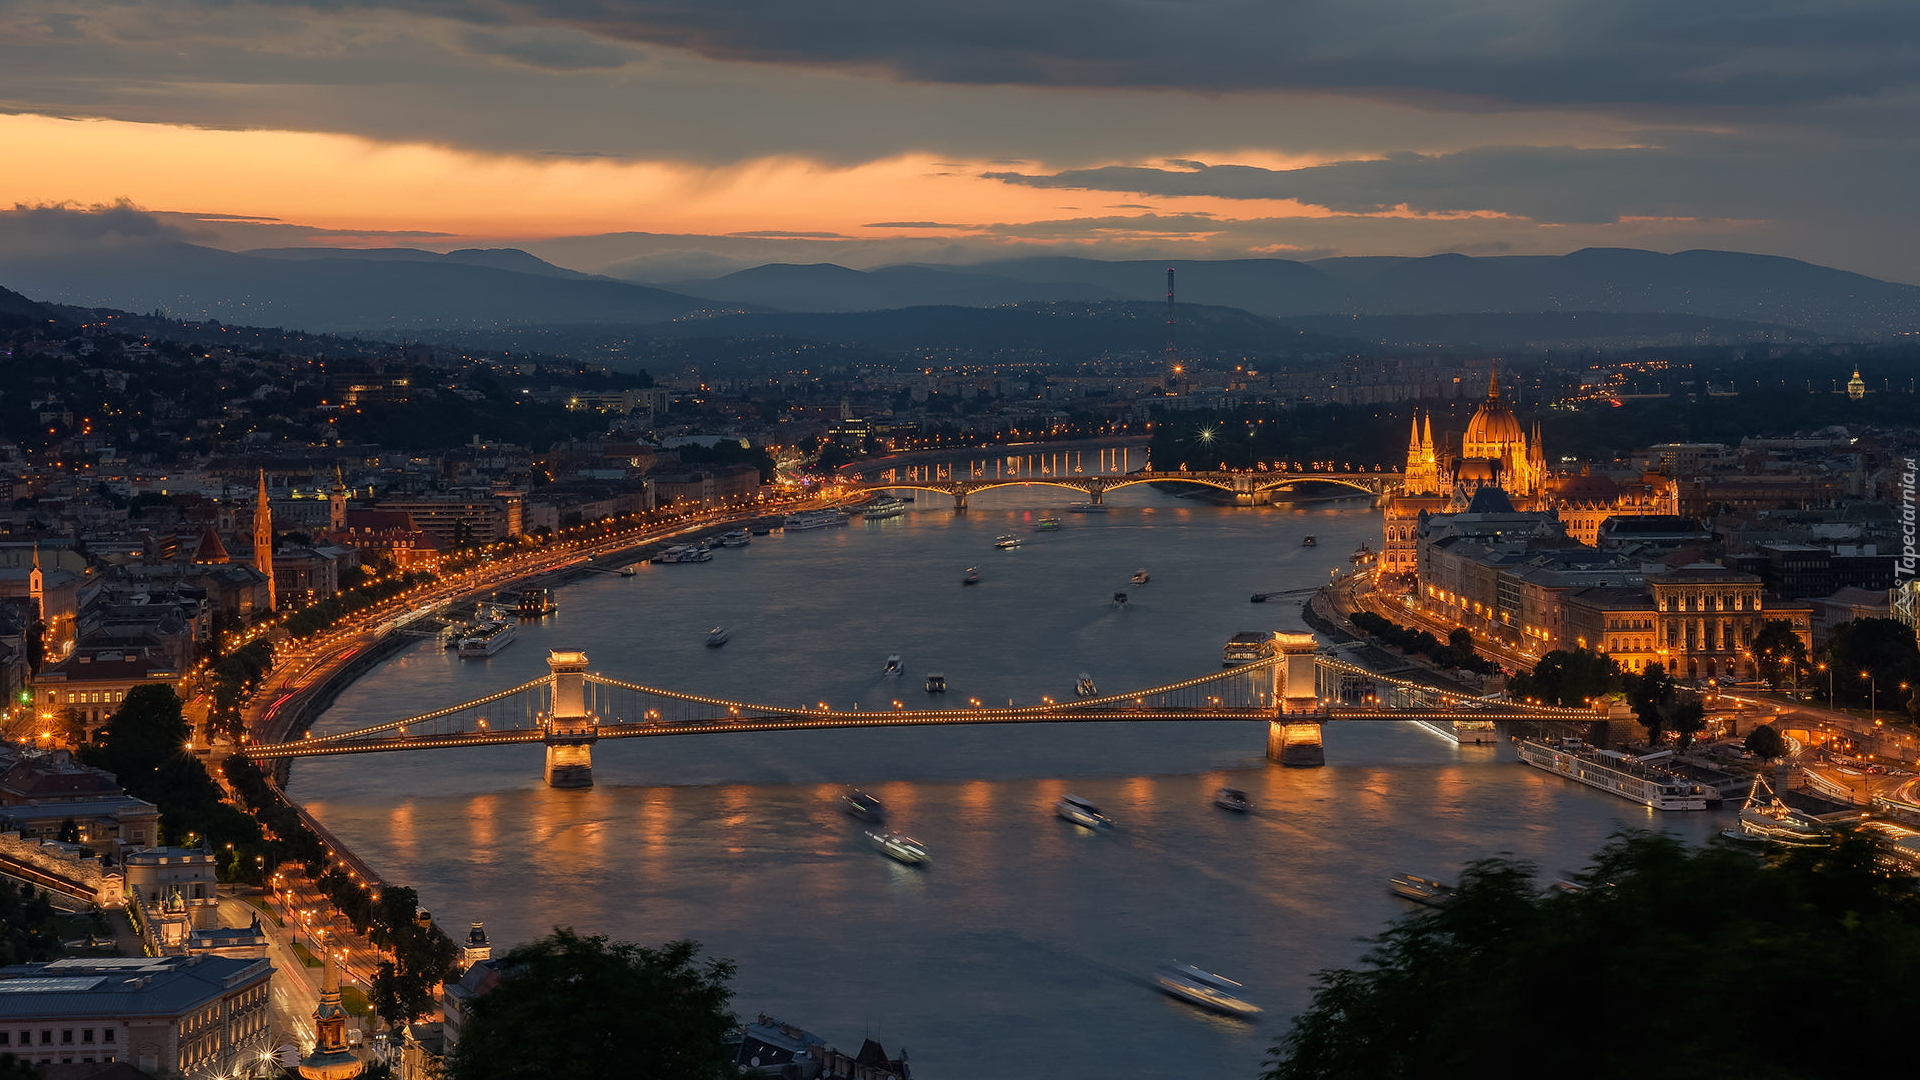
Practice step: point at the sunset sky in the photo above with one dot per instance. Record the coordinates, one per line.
(676, 138)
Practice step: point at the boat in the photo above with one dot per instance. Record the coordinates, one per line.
(862, 805)
(812, 519)
(893, 668)
(1084, 687)
(1119, 599)
(718, 636)
(1007, 541)
(904, 849)
(1139, 577)
(936, 683)
(627, 571)
(698, 553)
(488, 638)
(972, 578)
(882, 508)
(1232, 798)
(1215, 993)
(1081, 812)
(1047, 524)
(762, 530)
(673, 554)
(1362, 556)
(1611, 771)
(1308, 541)
(1087, 508)
(1765, 819)
(1421, 890)
(1464, 732)
(736, 538)
(1258, 598)
(1246, 647)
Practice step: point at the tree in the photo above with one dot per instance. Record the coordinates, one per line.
(1777, 650)
(1766, 743)
(18, 1068)
(569, 1005)
(69, 832)
(1569, 678)
(1826, 925)
(1885, 649)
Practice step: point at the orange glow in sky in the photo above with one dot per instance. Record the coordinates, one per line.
(345, 182)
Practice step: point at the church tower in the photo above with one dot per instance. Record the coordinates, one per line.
(37, 587)
(337, 503)
(263, 540)
(330, 1060)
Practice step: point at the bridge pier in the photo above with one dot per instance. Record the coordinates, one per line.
(571, 729)
(1296, 742)
(960, 499)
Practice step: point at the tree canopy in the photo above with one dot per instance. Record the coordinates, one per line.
(568, 1005)
(1671, 962)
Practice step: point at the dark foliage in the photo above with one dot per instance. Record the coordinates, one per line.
(586, 1006)
(1795, 969)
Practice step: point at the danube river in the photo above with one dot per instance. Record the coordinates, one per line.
(1026, 949)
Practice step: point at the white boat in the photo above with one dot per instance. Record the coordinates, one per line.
(1614, 772)
(1082, 813)
(1464, 732)
(1420, 890)
(1232, 798)
(1216, 993)
(972, 578)
(488, 638)
(673, 554)
(718, 636)
(1765, 819)
(698, 553)
(1246, 647)
(1083, 687)
(736, 538)
(1140, 577)
(1006, 541)
(900, 848)
(813, 519)
(893, 670)
(886, 506)
(936, 683)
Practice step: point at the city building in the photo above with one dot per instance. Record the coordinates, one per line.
(331, 1058)
(199, 1016)
(93, 682)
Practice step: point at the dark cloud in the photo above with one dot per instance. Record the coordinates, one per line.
(550, 52)
(780, 234)
(913, 225)
(1532, 51)
(55, 227)
(1557, 185)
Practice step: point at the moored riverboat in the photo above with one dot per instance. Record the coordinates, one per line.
(1246, 647)
(1464, 732)
(1420, 890)
(899, 848)
(1619, 774)
(488, 638)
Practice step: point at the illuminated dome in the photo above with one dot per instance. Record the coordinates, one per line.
(1493, 427)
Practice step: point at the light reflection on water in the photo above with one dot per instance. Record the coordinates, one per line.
(1028, 945)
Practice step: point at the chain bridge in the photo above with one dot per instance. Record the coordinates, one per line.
(1296, 692)
(1249, 486)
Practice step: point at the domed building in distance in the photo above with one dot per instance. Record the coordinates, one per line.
(1496, 451)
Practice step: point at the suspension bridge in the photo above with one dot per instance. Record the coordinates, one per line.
(1296, 692)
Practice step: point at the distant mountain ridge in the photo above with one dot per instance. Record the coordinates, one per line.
(1710, 284)
(323, 290)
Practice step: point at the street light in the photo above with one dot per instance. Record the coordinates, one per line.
(1873, 697)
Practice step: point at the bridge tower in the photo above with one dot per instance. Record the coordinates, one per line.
(1293, 735)
(571, 729)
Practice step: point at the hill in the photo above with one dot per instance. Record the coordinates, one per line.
(17, 312)
(1706, 284)
(339, 292)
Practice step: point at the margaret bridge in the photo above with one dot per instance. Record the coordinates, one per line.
(1296, 692)
(1249, 487)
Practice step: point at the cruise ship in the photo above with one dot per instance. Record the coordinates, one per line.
(488, 638)
(882, 508)
(1246, 647)
(1464, 732)
(813, 519)
(1611, 771)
